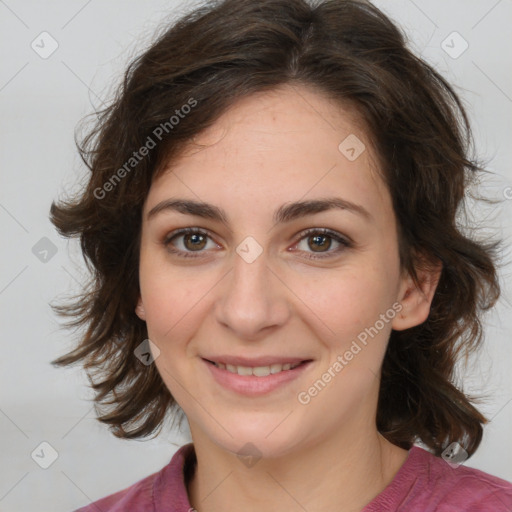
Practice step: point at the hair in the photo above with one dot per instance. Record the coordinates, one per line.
(349, 51)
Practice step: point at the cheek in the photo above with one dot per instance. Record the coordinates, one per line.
(168, 305)
(174, 298)
(348, 300)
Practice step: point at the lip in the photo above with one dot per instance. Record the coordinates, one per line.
(250, 385)
(255, 361)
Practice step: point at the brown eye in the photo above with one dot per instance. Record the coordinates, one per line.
(189, 242)
(319, 243)
(322, 243)
(194, 241)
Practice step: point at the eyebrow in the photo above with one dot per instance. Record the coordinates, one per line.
(285, 213)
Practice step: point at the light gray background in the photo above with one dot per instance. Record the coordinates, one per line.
(41, 102)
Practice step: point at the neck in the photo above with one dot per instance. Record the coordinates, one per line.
(326, 476)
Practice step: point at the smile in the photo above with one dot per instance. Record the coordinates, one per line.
(255, 377)
(258, 371)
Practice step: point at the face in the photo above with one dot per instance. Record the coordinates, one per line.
(270, 277)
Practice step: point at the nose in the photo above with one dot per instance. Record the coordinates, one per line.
(253, 300)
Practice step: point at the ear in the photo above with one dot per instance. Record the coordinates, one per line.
(139, 310)
(417, 299)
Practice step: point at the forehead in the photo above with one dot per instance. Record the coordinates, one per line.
(288, 144)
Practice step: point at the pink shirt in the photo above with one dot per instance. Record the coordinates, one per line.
(424, 483)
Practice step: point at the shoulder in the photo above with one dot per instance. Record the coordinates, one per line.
(136, 497)
(152, 492)
(450, 487)
(426, 483)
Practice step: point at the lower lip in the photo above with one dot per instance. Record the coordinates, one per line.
(250, 385)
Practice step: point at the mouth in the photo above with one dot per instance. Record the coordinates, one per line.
(257, 371)
(255, 377)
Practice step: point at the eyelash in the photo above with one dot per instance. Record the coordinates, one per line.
(345, 243)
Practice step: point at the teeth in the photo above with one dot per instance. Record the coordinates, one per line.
(244, 370)
(276, 368)
(261, 371)
(258, 371)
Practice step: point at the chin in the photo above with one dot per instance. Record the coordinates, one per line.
(270, 438)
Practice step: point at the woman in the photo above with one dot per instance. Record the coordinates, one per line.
(271, 223)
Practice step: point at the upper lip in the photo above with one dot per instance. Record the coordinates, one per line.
(255, 361)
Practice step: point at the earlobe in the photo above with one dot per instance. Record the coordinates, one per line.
(140, 311)
(416, 300)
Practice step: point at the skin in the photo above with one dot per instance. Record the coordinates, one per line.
(267, 150)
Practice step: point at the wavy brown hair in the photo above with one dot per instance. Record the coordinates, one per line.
(351, 52)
